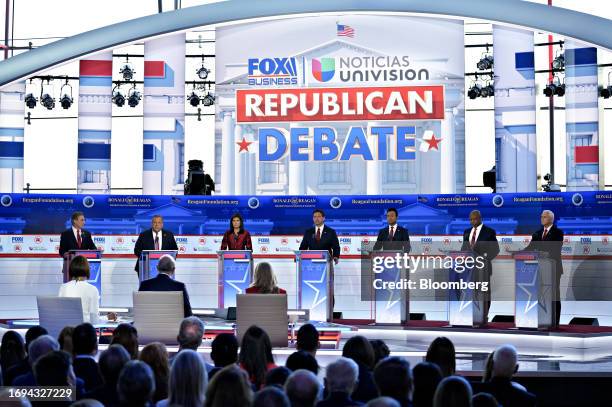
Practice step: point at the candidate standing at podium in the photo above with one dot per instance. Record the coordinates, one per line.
(76, 238)
(482, 240)
(549, 239)
(321, 237)
(155, 238)
(236, 237)
(393, 236)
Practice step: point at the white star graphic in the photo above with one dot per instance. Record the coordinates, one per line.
(523, 286)
(231, 283)
(310, 283)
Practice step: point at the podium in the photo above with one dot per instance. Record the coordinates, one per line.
(148, 262)
(315, 283)
(94, 258)
(391, 306)
(465, 306)
(535, 286)
(235, 275)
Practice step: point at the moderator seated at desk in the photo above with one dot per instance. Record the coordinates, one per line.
(264, 281)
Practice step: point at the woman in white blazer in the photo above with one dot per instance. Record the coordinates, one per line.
(79, 287)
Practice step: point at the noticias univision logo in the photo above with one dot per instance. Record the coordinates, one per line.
(323, 69)
(272, 71)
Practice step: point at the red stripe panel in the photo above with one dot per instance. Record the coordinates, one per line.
(587, 154)
(154, 69)
(313, 255)
(236, 256)
(92, 67)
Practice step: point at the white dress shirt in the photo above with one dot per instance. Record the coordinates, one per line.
(475, 231)
(546, 231)
(159, 234)
(321, 230)
(89, 295)
(75, 232)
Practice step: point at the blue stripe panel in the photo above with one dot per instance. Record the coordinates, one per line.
(581, 56)
(588, 168)
(167, 81)
(94, 165)
(14, 163)
(521, 129)
(96, 81)
(573, 71)
(94, 151)
(524, 60)
(148, 152)
(11, 131)
(592, 127)
(11, 149)
(157, 164)
(87, 134)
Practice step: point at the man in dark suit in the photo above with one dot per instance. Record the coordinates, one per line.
(76, 238)
(164, 282)
(394, 236)
(482, 240)
(85, 344)
(321, 237)
(549, 239)
(155, 238)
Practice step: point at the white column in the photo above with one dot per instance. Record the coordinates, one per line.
(227, 154)
(447, 153)
(374, 167)
(239, 162)
(249, 159)
(297, 186)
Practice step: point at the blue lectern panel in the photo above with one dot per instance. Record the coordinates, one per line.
(313, 284)
(460, 300)
(236, 276)
(527, 287)
(388, 302)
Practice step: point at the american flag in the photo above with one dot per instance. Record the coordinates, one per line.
(343, 30)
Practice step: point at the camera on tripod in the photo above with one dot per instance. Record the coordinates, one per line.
(198, 182)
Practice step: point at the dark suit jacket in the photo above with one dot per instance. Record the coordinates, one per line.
(242, 243)
(551, 245)
(401, 239)
(105, 394)
(145, 242)
(69, 242)
(87, 369)
(506, 394)
(329, 241)
(486, 245)
(338, 399)
(163, 282)
(366, 388)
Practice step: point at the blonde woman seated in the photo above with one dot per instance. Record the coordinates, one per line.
(264, 281)
(78, 286)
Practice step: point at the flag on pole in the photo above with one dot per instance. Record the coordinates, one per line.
(343, 30)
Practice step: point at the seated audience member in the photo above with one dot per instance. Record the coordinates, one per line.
(156, 356)
(12, 352)
(136, 385)
(484, 400)
(359, 349)
(164, 281)
(453, 391)
(224, 352)
(256, 355)
(229, 388)
(393, 379)
(308, 339)
(188, 381)
(383, 402)
(55, 369)
(85, 343)
(302, 360)
(7, 393)
(381, 350)
(340, 381)
(127, 336)
(442, 352)
(264, 281)
(271, 397)
(78, 271)
(38, 348)
(501, 386)
(65, 339)
(426, 377)
(190, 336)
(277, 377)
(87, 403)
(23, 366)
(302, 388)
(111, 362)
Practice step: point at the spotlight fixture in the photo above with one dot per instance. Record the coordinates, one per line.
(559, 62)
(134, 97)
(474, 91)
(47, 101)
(203, 72)
(208, 99)
(603, 92)
(118, 98)
(127, 70)
(30, 101)
(194, 100)
(487, 91)
(554, 88)
(485, 63)
(66, 100)
(560, 90)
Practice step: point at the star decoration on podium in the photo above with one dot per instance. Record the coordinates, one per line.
(244, 145)
(429, 142)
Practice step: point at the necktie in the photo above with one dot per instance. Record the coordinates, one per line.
(156, 241)
(392, 233)
(318, 235)
(473, 240)
(544, 234)
(79, 241)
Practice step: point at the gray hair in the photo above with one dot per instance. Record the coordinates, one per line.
(342, 375)
(41, 346)
(302, 388)
(383, 402)
(550, 213)
(504, 361)
(190, 333)
(166, 264)
(188, 380)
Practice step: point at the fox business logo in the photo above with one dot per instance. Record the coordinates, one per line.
(345, 240)
(263, 240)
(17, 239)
(506, 240)
(272, 71)
(98, 239)
(181, 240)
(585, 240)
(426, 240)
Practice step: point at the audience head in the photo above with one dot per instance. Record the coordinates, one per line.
(127, 336)
(277, 376)
(453, 391)
(54, 369)
(190, 333)
(383, 402)
(87, 403)
(40, 347)
(224, 349)
(33, 333)
(264, 279)
(166, 264)
(426, 378)
(12, 349)
(302, 360)
(256, 354)
(360, 350)
(136, 384)
(79, 268)
(229, 388)
(271, 397)
(505, 362)
(484, 400)
(111, 362)
(442, 353)
(308, 339)
(188, 380)
(65, 339)
(381, 350)
(156, 356)
(393, 378)
(85, 339)
(302, 388)
(341, 375)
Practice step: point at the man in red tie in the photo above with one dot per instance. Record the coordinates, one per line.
(156, 238)
(75, 237)
(321, 237)
(393, 236)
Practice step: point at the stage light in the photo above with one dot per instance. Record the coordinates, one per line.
(194, 100)
(208, 99)
(474, 91)
(554, 88)
(603, 92)
(559, 62)
(66, 99)
(487, 91)
(30, 100)
(47, 101)
(134, 97)
(127, 70)
(203, 72)
(560, 90)
(485, 63)
(118, 98)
